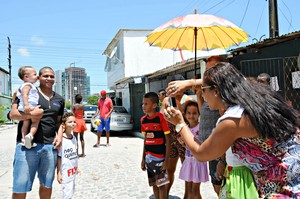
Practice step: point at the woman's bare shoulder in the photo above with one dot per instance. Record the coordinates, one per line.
(78, 106)
(238, 127)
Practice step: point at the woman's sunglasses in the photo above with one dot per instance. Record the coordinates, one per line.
(205, 87)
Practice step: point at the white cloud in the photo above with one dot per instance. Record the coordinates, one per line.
(23, 52)
(37, 41)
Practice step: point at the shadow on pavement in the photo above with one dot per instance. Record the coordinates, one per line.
(117, 134)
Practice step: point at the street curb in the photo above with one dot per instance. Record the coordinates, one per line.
(138, 134)
(7, 126)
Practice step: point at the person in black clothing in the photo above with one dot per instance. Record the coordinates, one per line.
(41, 159)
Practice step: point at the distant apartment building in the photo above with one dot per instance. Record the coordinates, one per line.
(59, 86)
(88, 86)
(72, 81)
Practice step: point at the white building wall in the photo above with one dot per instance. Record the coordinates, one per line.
(140, 58)
(124, 89)
(126, 99)
(58, 82)
(155, 86)
(135, 57)
(4, 83)
(117, 65)
(116, 73)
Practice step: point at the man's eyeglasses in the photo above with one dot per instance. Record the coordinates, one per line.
(205, 87)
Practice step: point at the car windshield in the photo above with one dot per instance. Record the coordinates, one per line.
(120, 109)
(90, 108)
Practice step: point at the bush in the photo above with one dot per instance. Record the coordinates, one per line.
(2, 120)
(3, 111)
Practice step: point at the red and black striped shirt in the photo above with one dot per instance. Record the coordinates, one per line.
(154, 128)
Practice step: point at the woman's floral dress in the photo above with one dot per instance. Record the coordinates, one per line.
(276, 166)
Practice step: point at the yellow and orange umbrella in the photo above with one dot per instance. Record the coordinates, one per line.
(197, 32)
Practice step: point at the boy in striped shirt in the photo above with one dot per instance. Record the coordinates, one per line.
(156, 145)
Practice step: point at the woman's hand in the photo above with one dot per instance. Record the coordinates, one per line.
(172, 115)
(180, 86)
(176, 87)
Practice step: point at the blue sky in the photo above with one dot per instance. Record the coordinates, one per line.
(59, 32)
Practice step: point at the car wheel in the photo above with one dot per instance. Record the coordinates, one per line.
(129, 133)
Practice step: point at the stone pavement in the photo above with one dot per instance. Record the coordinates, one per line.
(106, 172)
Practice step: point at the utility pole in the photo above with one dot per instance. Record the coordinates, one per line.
(273, 19)
(9, 67)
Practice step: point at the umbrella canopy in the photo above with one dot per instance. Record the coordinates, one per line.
(197, 32)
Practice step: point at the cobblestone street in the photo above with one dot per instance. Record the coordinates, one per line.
(106, 172)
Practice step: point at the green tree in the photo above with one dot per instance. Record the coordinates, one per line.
(3, 110)
(93, 100)
(68, 105)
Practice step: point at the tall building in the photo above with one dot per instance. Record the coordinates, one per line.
(59, 86)
(75, 83)
(88, 86)
(74, 78)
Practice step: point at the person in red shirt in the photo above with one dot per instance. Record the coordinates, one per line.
(105, 108)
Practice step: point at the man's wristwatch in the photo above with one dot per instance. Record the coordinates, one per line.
(178, 127)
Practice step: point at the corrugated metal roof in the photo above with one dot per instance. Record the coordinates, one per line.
(269, 41)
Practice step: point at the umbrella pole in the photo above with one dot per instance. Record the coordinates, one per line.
(195, 66)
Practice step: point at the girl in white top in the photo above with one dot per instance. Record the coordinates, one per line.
(29, 98)
(193, 171)
(67, 162)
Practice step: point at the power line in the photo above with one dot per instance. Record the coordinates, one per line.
(213, 6)
(289, 21)
(259, 20)
(245, 13)
(223, 7)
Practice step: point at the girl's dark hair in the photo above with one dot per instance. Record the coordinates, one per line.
(78, 98)
(191, 103)
(66, 116)
(269, 113)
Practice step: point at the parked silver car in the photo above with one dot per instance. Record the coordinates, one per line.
(120, 120)
(89, 111)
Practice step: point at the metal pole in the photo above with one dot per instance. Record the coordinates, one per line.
(9, 67)
(273, 19)
(195, 33)
(195, 67)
